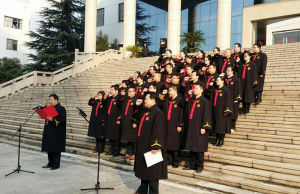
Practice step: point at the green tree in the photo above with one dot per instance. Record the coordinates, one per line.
(142, 27)
(60, 32)
(192, 40)
(101, 42)
(114, 44)
(10, 68)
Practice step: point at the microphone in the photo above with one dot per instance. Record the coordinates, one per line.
(81, 112)
(38, 107)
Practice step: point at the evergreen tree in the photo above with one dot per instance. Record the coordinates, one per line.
(59, 34)
(142, 27)
(101, 42)
(10, 68)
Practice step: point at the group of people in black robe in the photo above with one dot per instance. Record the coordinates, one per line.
(175, 105)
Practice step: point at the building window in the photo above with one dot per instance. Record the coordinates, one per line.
(12, 44)
(121, 12)
(100, 17)
(12, 22)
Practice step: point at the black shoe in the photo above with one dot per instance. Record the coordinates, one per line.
(221, 143)
(217, 143)
(198, 170)
(115, 155)
(187, 168)
(54, 168)
(175, 166)
(108, 153)
(47, 166)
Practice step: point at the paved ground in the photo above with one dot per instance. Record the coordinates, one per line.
(73, 175)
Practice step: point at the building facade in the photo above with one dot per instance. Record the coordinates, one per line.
(17, 19)
(223, 22)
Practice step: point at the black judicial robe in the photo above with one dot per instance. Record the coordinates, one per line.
(234, 85)
(224, 63)
(129, 112)
(111, 129)
(173, 111)
(208, 87)
(199, 117)
(54, 135)
(215, 60)
(222, 110)
(97, 118)
(151, 136)
(260, 59)
(248, 81)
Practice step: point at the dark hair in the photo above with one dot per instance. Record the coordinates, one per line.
(175, 74)
(197, 73)
(169, 64)
(212, 65)
(238, 44)
(258, 45)
(222, 77)
(152, 95)
(154, 85)
(191, 67)
(248, 53)
(199, 84)
(102, 93)
(229, 67)
(218, 49)
(140, 76)
(169, 50)
(116, 87)
(54, 96)
(203, 54)
(174, 87)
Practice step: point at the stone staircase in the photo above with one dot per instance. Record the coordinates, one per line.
(263, 155)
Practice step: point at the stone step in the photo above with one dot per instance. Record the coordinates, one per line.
(265, 138)
(266, 146)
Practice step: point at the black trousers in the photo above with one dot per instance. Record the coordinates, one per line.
(173, 157)
(54, 159)
(196, 160)
(246, 107)
(258, 96)
(150, 187)
(233, 123)
(220, 136)
(114, 146)
(130, 148)
(100, 144)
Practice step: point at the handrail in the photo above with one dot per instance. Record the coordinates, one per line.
(34, 78)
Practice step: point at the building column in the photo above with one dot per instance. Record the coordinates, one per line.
(129, 23)
(224, 24)
(174, 25)
(90, 26)
(192, 17)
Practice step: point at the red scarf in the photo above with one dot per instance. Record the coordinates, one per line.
(193, 109)
(244, 71)
(141, 124)
(97, 108)
(109, 109)
(224, 65)
(127, 106)
(170, 110)
(208, 81)
(254, 57)
(216, 98)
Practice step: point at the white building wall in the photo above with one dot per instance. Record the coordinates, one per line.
(27, 10)
(111, 27)
(281, 25)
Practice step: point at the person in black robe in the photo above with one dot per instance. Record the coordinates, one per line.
(216, 57)
(199, 123)
(173, 108)
(54, 134)
(112, 123)
(238, 56)
(209, 81)
(222, 110)
(129, 123)
(151, 137)
(97, 119)
(234, 85)
(225, 61)
(248, 77)
(260, 59)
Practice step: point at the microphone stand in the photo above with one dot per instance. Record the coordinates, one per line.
(97, 185)
(18, 169)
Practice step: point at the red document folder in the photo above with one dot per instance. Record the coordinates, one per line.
(49, 111)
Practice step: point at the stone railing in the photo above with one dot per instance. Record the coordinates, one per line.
(83, 61)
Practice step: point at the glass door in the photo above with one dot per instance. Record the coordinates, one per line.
(286, 37)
